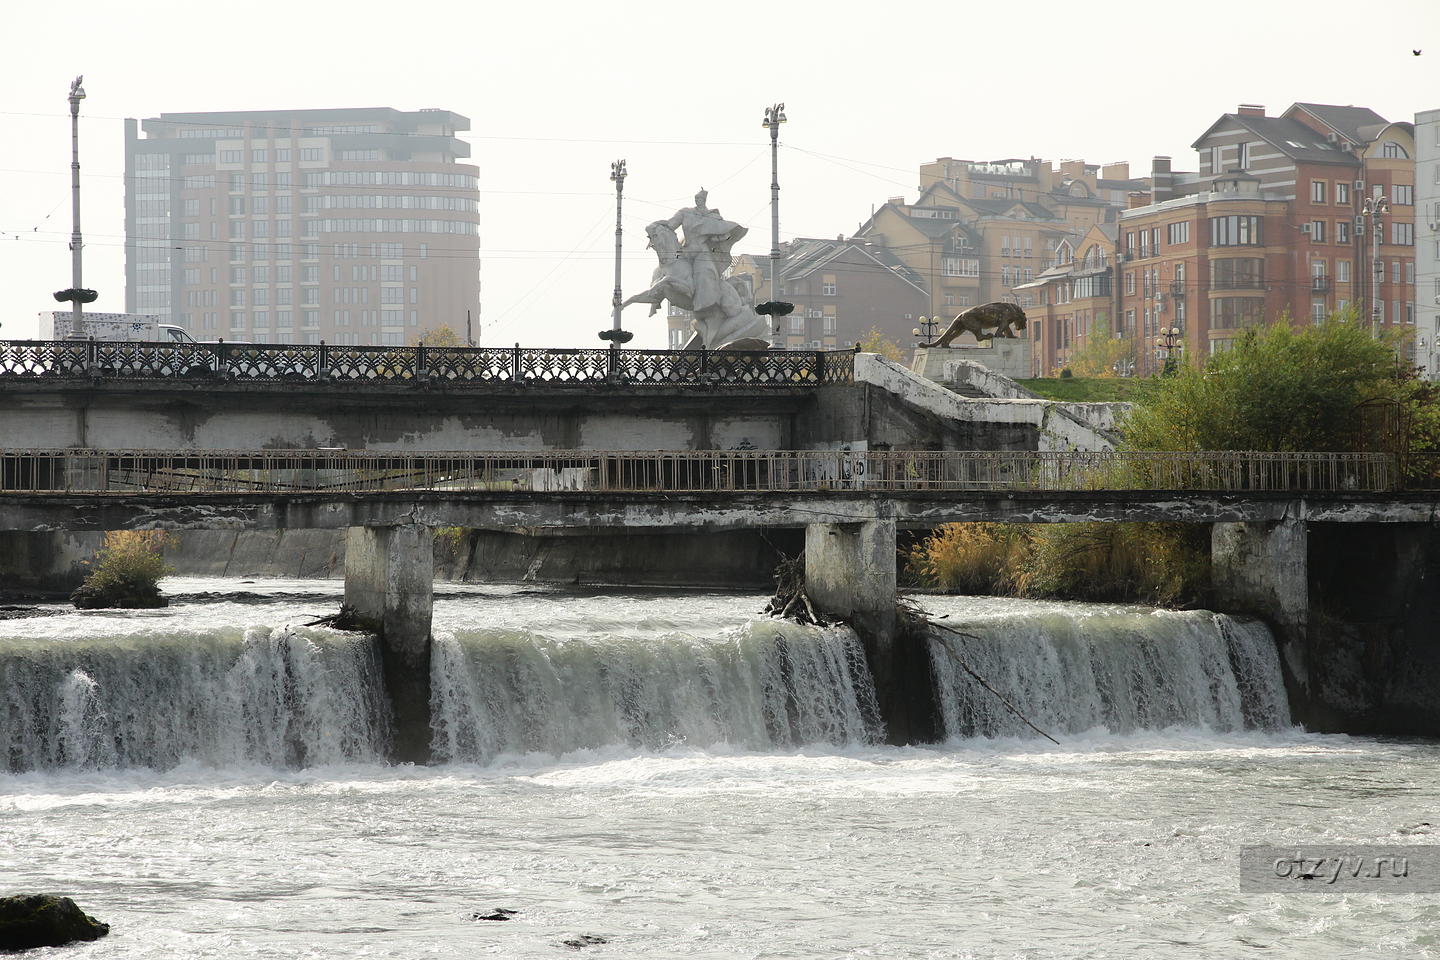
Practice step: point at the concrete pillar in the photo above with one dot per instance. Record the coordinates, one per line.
(850, 567)
(1263, 568)
(389, 581)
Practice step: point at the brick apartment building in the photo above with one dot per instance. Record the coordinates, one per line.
(1283, 215)
(1074, 299)
(355, 226)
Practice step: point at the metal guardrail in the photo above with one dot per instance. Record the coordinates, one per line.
(459, 366)
(131, 472)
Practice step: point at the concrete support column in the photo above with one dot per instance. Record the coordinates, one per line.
(1263, 568)
(389, 581)
(850, 573)
(850, 567)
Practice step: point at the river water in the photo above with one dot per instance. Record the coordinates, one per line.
(673, 774)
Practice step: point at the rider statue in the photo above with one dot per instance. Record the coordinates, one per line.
(691, 275)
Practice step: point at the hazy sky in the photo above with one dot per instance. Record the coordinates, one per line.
(555, 91)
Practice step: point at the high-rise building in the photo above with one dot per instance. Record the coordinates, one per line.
(352, 226)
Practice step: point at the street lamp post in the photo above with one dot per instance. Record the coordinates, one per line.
(615, 335)
(1373, 207)
(774, 116)
(77, 93)
(1170, 341)
(926, 329)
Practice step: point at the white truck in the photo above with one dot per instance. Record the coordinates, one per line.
(60, 325)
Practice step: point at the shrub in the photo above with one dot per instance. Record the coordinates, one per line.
(127, 571)
(969, 557)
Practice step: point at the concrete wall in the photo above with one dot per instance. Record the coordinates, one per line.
(151, 416)
(1354, 608)
(739, 559)
(44, 565)
(1371, 651)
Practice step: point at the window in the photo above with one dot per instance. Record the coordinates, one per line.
(829, 326)
(959, 267)
(1317, 231)
(1391, 150)
(232, 156)
(1179, 232)
(260, 297)
(237, 274)
(237, 297)
(311, 154)
(237, 206)
(827, 288)
(1317, 191)
(1235, 231)
(257, 156)
(1241, 273)
(1342, 231)
(1130, 284)
(1244, 159)
(237, 319)
(797, 325)
(1402, 234)
(282, 155)
(310, 274)
(1342, 193)
(1231, 312)
(1403, 194)
(1317, 311)
(237, 182)
(1342, 271)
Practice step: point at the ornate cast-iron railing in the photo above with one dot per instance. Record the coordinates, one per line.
(130, 472)
(459, 366)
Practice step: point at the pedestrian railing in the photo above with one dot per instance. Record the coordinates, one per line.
(457, 366)
(129, 472)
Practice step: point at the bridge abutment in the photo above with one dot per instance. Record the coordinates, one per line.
(850, 573)
(389, 582)
(1263, 567)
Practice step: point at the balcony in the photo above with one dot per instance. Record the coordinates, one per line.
(1177, 288)
(1319, 284)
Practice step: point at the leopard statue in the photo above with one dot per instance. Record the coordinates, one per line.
(1000, 319)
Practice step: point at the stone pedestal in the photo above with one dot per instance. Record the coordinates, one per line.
(1003, 355)
(389, 581)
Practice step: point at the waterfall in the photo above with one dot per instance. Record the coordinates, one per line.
(284, 698)
(1119, 670)
(761, 685)
(557, 675)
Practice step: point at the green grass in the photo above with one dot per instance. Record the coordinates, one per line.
(1092, 390)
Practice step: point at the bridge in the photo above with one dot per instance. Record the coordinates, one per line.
(92, 394)
(391, 443)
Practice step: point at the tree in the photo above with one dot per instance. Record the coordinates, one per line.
(874, 342)
(1102, 353)
(441, 336)
(1282, 388)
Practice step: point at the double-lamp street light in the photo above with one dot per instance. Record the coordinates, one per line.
(926, 329)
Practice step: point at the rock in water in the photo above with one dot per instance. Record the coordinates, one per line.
(45, 920)
(118, 596)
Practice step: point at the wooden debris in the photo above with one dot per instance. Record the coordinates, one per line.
(790, 601)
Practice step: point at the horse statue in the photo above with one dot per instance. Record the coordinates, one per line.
(692, 280)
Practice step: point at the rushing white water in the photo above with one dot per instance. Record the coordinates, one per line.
(757, 686)
(733, 838)
(219, 695)
(1076, 667)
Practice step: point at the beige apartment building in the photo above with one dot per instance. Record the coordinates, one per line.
(349, 226)
(982, 232)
